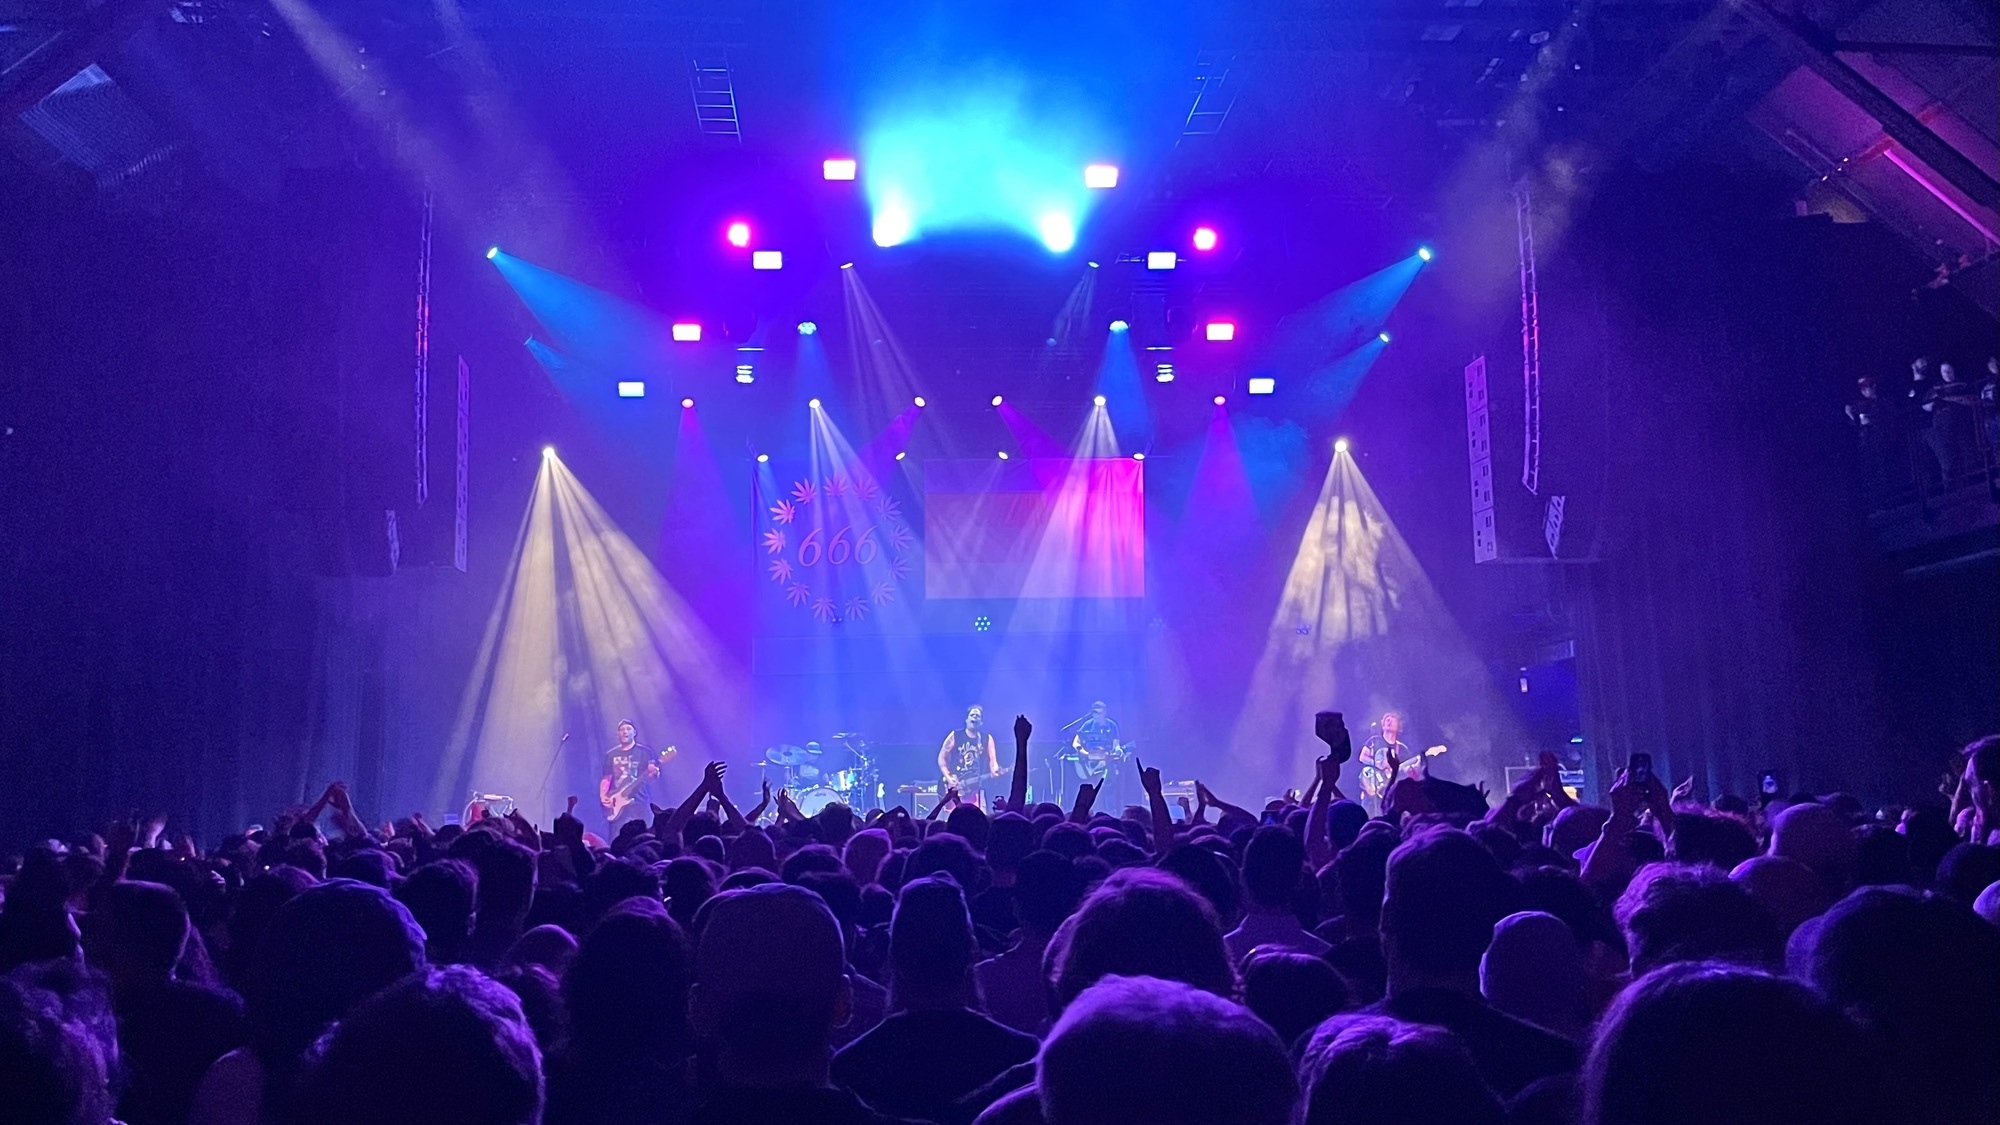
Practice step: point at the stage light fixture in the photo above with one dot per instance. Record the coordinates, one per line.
(1204, 238)
(1003, 455)
(1219, 400)
(1138, 457)
(902, 453)
(814, 404)
(982, 623)
(807, 328)
(687, 404)
(492, 252)
(686, 332)
(763, 458)
(631, 388)
(1221, 330)
(919, 400)
(1098, 401)
(1161, 259)
(548, 453)
(738, 234)
(1424, 253)
(1100, 176)
(1119, 326)
(1382, 336)
(1340, 445)
(847, 265)
(745, 373)
(997, 400)
(1163, 373)
(837, 168)
(1058, 232)
(1092, 265)
(1262, 385)
(767, 259)
(892, 227)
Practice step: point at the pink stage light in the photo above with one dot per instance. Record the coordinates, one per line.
(738, 234)
(1221, 330)
(1204, 238)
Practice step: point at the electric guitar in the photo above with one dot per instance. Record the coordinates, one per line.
(619, 798)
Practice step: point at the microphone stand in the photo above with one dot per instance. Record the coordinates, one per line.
(553, 758)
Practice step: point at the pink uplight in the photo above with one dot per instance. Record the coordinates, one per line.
(738, 234)
(1204, 238)
(1221, 330)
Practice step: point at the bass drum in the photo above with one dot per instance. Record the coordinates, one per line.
(811, 801)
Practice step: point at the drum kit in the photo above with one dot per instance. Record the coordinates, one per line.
(841, 770)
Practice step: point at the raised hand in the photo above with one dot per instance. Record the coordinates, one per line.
(1187, 809)
(1332, 730)
(711, 776)
(1149, 779)
(1022, 728)
(568, 829)
(1626, 798)
(1684, 791)
(767, 790)
(951, 796)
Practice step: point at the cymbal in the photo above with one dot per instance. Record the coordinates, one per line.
(785, 754)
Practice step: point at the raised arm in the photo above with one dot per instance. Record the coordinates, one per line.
(1086, 799)
(1017, 792)
(1209, 798)
(730, 816)
(950, 798)
(711, 779)
(1319, 846)
(1156, 799)
(761, 805)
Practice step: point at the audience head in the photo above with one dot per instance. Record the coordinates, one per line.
(1788, 889)
(970, 824)
(1142, 922)
(136, 934)
(1680, 912)
(1730, 1046)
(770, 984)
(1710, 838)
(58, 1046)
(325, 951)
(1818, 837)
(1441, 899)
(1144, 1051)
(1343, 822)
(1292, 992)
(1966, 870)
(931, 946)
(1535, 970)
(627, 988)
(1575, 827)
(866, 850)
(1211, 874)
(689, 882)
(1922, 972)
(950, 854)
(1011, 837)
(1273, 864)
(440, 896)
(1373, 1070)
(477, 1062)
(1046, 891)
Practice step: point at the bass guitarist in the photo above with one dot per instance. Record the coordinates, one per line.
(968, 757)
(629, 768)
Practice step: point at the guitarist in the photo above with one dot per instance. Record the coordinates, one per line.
(629, 769)
(968, 756)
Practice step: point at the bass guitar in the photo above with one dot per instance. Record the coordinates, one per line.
(620, 797)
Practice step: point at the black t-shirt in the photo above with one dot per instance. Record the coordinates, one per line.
(919, 1063)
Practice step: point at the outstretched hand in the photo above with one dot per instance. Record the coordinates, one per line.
(1149, 778)
(711, 776)
(1022, 728)
(568, 829)
(1332, 730)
